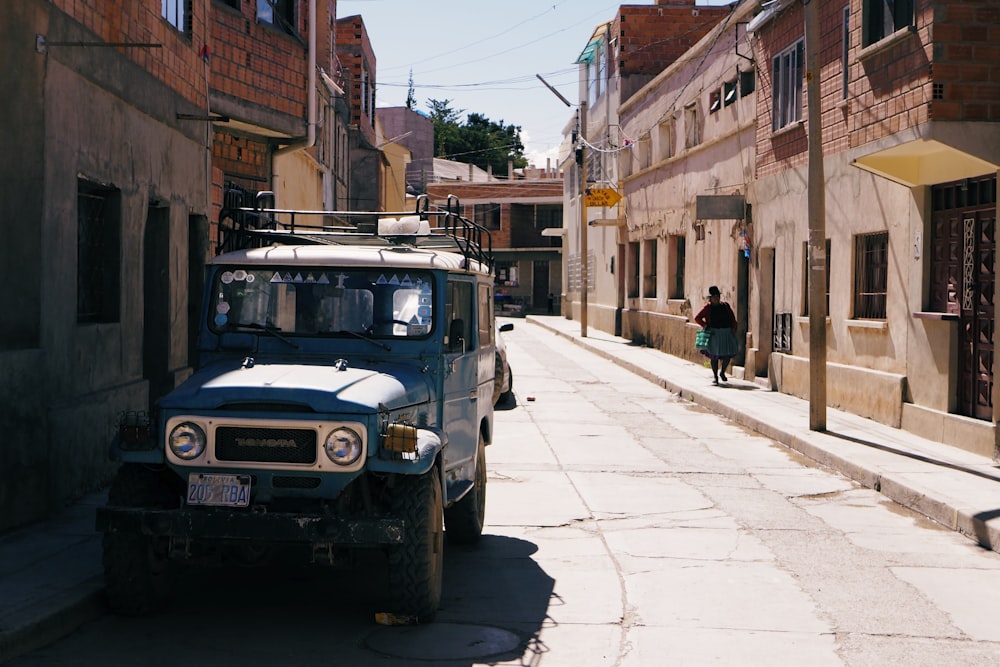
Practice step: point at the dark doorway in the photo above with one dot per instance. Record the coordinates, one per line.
(541, 292)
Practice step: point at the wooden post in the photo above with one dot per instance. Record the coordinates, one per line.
(817, 226)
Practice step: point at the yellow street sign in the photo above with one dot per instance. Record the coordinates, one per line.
(601, 197)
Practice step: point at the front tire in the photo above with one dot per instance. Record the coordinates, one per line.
(417, 565)
(137, 574)
(465, 519)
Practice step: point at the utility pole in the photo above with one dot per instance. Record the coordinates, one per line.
(583, 219)
(817, 226)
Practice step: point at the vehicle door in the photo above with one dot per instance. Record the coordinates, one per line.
(461, 383)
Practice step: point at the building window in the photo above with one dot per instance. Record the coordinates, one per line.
(845, 54)
(805, 278)
(280, 13)
(235, 4)
(177, 13)
(506, 274)
(632, 277)
(666, 139)
(644, 151)
(748, 82)
(884, 17)
(625, 159)
(692, 133)
(871, 272)
(714, 101)
(597, 72)
(649, 262)
(548, 216)
(676, 249)
(487, 215)
(729, 92)
(786, 91)
(98, 253)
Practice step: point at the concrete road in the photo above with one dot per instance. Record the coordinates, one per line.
(626, 527)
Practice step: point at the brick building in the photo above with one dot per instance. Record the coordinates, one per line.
(516, 211)
(909, 107)
(357, 68)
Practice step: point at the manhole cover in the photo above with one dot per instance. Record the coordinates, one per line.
(442, 641)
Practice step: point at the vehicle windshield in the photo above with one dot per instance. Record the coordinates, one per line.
(298, 301)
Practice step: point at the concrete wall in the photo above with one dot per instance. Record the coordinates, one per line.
(64, 386)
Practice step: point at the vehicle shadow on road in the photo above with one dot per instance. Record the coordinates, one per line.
(495, 603)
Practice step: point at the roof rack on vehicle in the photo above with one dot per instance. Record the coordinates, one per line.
(261, 225)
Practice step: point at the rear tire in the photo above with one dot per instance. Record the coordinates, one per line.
(465, 519)
(508, 396)
(417, 565)
(137, 572)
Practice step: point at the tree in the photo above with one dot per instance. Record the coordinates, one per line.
(483, 142)
(411, 100)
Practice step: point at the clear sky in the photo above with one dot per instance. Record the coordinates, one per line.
(483, 56)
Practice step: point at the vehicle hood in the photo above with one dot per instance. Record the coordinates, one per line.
(324, 388)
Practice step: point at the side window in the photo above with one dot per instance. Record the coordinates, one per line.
(485, 315)
(459, 308)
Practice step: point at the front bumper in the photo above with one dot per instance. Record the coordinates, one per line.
(218, 524)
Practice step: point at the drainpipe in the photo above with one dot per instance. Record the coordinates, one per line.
(310, 139)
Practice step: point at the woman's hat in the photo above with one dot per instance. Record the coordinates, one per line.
(714, 291)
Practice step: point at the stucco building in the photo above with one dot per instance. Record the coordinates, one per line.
(621, 56)
(685, 174)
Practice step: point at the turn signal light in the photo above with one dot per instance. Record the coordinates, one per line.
(401, 438)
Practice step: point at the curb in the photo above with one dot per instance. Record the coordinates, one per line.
(57, 617)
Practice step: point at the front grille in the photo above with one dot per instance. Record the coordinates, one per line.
(265, 445)
(287, 482)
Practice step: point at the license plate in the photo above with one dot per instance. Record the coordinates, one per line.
(218, 490)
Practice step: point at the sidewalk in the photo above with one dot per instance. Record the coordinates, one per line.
(50, 573)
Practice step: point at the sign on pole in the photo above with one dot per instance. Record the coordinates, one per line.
(601, 197)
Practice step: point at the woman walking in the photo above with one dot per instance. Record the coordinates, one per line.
(719, 322)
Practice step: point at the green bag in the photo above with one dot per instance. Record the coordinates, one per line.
(702, 339)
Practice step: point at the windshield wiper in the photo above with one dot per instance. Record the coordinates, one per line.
(269, 329)
(356, 334)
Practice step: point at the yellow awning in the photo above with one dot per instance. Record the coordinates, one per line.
(924, 162)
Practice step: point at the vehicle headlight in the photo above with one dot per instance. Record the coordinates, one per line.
(187, 441)
(343, 446)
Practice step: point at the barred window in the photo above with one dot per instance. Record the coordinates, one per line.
(98, 253)
(871, 273)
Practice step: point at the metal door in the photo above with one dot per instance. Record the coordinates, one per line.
(963, 274)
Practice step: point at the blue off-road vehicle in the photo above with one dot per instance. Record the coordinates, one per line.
(342, 403)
